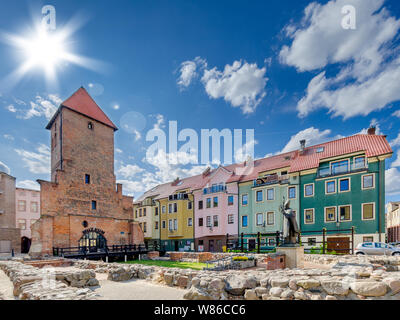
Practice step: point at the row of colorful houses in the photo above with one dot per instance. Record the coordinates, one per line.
(337, 185)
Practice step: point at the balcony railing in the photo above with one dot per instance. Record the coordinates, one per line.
(341, 169)
(178, 196)
(272, 179)
(215, 189)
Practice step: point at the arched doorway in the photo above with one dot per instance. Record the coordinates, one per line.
(93, 240)
(25, 244)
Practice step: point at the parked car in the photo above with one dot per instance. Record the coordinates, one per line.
(395, 244)
(376, 249)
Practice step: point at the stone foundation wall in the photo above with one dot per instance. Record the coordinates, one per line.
(31, 283)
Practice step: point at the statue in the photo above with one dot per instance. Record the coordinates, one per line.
(290, 227)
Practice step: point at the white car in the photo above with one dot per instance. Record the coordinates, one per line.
(376, 249)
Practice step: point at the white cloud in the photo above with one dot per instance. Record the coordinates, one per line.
(4, 168)
(28, 184)
(11, 108)
(312, 136)
(188, 71)
(160, 121)
(117, 150)
(240, 84)
(396, 114)
(395, 142)
(247, 150)
(392, 182)
(37, 162)
(129, 171)
(43, 107)
(369, 65)
(132, 187)
(116, 106)
(8, 137)
(396, 163)
(373, 123)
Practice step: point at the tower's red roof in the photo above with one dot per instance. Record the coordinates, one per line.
(83, 103)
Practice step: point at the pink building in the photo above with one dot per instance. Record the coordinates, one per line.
(215, 209)
(27, 212)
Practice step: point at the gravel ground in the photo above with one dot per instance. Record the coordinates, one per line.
(135, 290)
(6, 287)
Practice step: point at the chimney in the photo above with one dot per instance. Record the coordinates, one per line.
(372, 131)
(302, 145)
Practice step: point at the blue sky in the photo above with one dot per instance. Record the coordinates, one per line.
(286, 69)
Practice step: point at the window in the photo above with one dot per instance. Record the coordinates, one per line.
(215, 219)
(271, 218)
(34, 207)
(330, 187)
(144, 212)
(189, 205)
(309, 190)
(231, 219)
(175, 207)
(359, 163)
(215, 202)
(140, 212)
(21, 205)
(244, 199)
(309, 216)
(368, 181)
(208, 203)
(368, 211)
(368, 239)
(136, 213)
(200, 222)
(22, 224)
(345, 213)
(201, 242)
(260, 219)
(200, 204)
(90, 126)
(170, 226)
(87, 178)
(94, 205)
(190, 222)
(270, 194)
(311, 241)
(208, 221)
(344, 185)
(340, 167)
(244, 222)
(292, 192)
(175, 224)
(330, 214)
(230, 201)
(163, 209)
(144, 227)
(259, 196)
(163, 224)
(320, 149)
(156, 211)
(156, 225)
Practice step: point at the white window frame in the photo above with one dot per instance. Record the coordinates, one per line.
(373, 181)
(351, 212)
(313, 193)
(341, 179)
(326, 187)
(373, 211)
(354, 161)
(175, 224)
(262, 219)
(233, 218)
(295, 190)
(273, 191)
(336, 161)
(273, 218)
(255, 195)
(163, 209)
(190, 224)
(313, 214)
(241, 199)
(336, 212)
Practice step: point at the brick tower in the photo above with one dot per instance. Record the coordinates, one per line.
(82, 205)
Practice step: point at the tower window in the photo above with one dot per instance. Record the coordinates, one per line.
(94, 205)
(87, 178)
(90, 126)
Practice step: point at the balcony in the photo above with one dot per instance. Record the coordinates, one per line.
(270, 180)
(341, 168)
(215, 189)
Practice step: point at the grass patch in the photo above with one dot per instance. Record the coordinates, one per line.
(171, 264)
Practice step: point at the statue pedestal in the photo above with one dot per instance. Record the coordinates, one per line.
(294, 256)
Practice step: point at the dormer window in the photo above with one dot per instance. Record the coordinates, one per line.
(320, 149)
(90, 126)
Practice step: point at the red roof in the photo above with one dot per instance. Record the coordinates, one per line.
(83, 103)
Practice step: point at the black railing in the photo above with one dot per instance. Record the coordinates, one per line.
(262, 242)
(332, 244)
